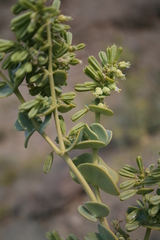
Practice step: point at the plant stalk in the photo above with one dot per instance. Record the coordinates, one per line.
(52, 89)
(147, 234)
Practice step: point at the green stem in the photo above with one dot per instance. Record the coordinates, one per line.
(45, 136)
(16, 91)
(97, 117)
(52, 89)
(80, 178)
(147, 234)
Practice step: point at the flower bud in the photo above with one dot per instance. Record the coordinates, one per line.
(119, 74)
(112, 86)
(106, 91)
(63, 18)
(124, 64)
(98, 91)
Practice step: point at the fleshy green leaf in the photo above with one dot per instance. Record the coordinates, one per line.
(63, 108)
(85, 213)
(127, 184)
(127, 194)
(132, 216)
(132, 226)
(93, 236)
(34, 110)
(5, 91)
(17, 126)
(60, 77)
(103, 110)
(111, 172)
(91, 135)
(106, 233)
(142, 191)
(89, 144)
(87, 158)
(97, 209)
(25, 122)
(98, 176)
(103, 134)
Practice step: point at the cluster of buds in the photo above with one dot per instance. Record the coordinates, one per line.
(105, 75)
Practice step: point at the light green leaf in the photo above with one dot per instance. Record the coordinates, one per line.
(63, 108)
(111, 172)
(90, 144)
(132, 226)
(85, 213)
(126, 173)
(27, 105)
(91, 135)
(56, 4)
(154, 199)
(127, 194)
(97, 209)
(106, 233)
(142, 191)
(34, 110)
(98, 176)
(87, 158)
(132, 216)
(103, 134)
(102, 110)
(127, 184)
(93, 236)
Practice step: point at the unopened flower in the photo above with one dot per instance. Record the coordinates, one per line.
(119, 74)
(106, 91)
(98, 91)
(124, 64)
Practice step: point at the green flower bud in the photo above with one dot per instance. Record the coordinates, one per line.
(63, 18)
(119, 74)
(124, 64)
(98, 91)
(112, 86)
(106, 91)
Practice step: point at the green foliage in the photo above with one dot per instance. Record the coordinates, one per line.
(146, 212)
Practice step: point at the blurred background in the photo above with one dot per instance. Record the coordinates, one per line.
(32, 203)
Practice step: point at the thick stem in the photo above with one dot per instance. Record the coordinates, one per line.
(147, 234)
(52, 89)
